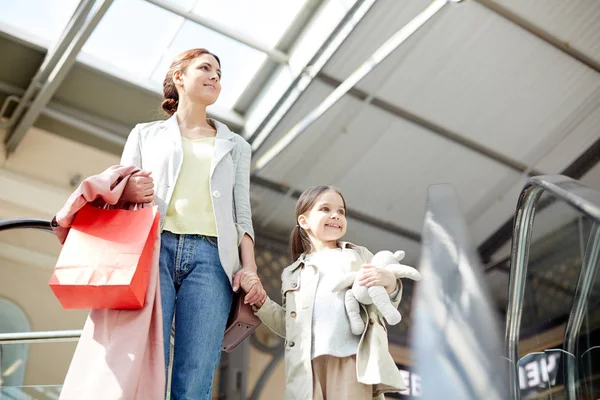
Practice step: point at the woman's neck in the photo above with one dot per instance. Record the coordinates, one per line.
(191, 115)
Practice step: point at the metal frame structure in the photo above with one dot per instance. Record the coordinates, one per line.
(53, 57)
(273, 54)
(341, 32)
(56, 67)
(580, 197)
(369, 65)
(62, 57)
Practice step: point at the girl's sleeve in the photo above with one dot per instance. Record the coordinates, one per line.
(273, 315)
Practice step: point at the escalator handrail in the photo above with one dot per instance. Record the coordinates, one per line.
(572, 192)
(25, 223)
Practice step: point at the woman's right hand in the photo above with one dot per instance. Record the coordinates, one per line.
(139, 188)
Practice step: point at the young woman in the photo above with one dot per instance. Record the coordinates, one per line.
(197, 172)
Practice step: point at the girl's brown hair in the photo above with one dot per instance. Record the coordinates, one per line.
(180, 63)
(299, 240)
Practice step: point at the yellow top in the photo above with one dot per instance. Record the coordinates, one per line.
(190, 209)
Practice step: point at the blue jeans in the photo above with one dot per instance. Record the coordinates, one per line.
(194, 288)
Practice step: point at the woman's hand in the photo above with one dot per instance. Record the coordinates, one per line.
(248, 280)
(370, 275)
(139, 189)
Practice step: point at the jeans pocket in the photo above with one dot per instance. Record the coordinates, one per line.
(212, 240)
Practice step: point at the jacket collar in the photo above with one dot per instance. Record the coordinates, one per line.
(300, 261)
(172, 126)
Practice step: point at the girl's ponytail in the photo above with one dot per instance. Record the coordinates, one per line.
(299, 242)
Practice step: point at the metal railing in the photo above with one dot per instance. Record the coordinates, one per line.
(581, 198)
(40, 336)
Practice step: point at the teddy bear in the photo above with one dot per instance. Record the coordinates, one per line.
(377, 295)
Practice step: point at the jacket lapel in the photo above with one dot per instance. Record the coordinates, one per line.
(224, 143)
(172, 127)
(174, 146)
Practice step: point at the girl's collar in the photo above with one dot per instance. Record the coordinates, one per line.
(302, 259)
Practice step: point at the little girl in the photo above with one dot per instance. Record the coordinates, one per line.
(323, 358)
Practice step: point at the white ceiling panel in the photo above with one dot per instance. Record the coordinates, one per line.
(314, 139)
(496, 209)
(574, 22)
(391, 179)
(476, 74)
(581, 136)
(384, 165)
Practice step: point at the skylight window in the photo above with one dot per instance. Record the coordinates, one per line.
(136, 40)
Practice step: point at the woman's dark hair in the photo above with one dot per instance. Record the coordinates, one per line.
(299, 240)
(180, 63)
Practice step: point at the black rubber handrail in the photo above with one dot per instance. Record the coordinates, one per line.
(25, 223)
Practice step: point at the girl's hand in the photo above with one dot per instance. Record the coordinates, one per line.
(251, 284)
(370, 275)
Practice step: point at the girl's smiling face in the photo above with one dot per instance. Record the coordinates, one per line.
(325, 222)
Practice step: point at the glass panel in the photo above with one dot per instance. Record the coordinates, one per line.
(456, 338)
(239, 62)
(43, 19)
(132, 36)
(588, 345)
(263, 20)
(136, 40)
(559, 241)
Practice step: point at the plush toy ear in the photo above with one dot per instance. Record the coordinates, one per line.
(399, 255)
(346, 282)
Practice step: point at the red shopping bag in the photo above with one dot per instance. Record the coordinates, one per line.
(105, 260)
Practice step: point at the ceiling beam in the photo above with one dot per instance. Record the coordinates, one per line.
(238, 36)
(432, 127)
(80, 32)
(561, 45)
(350, 213)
